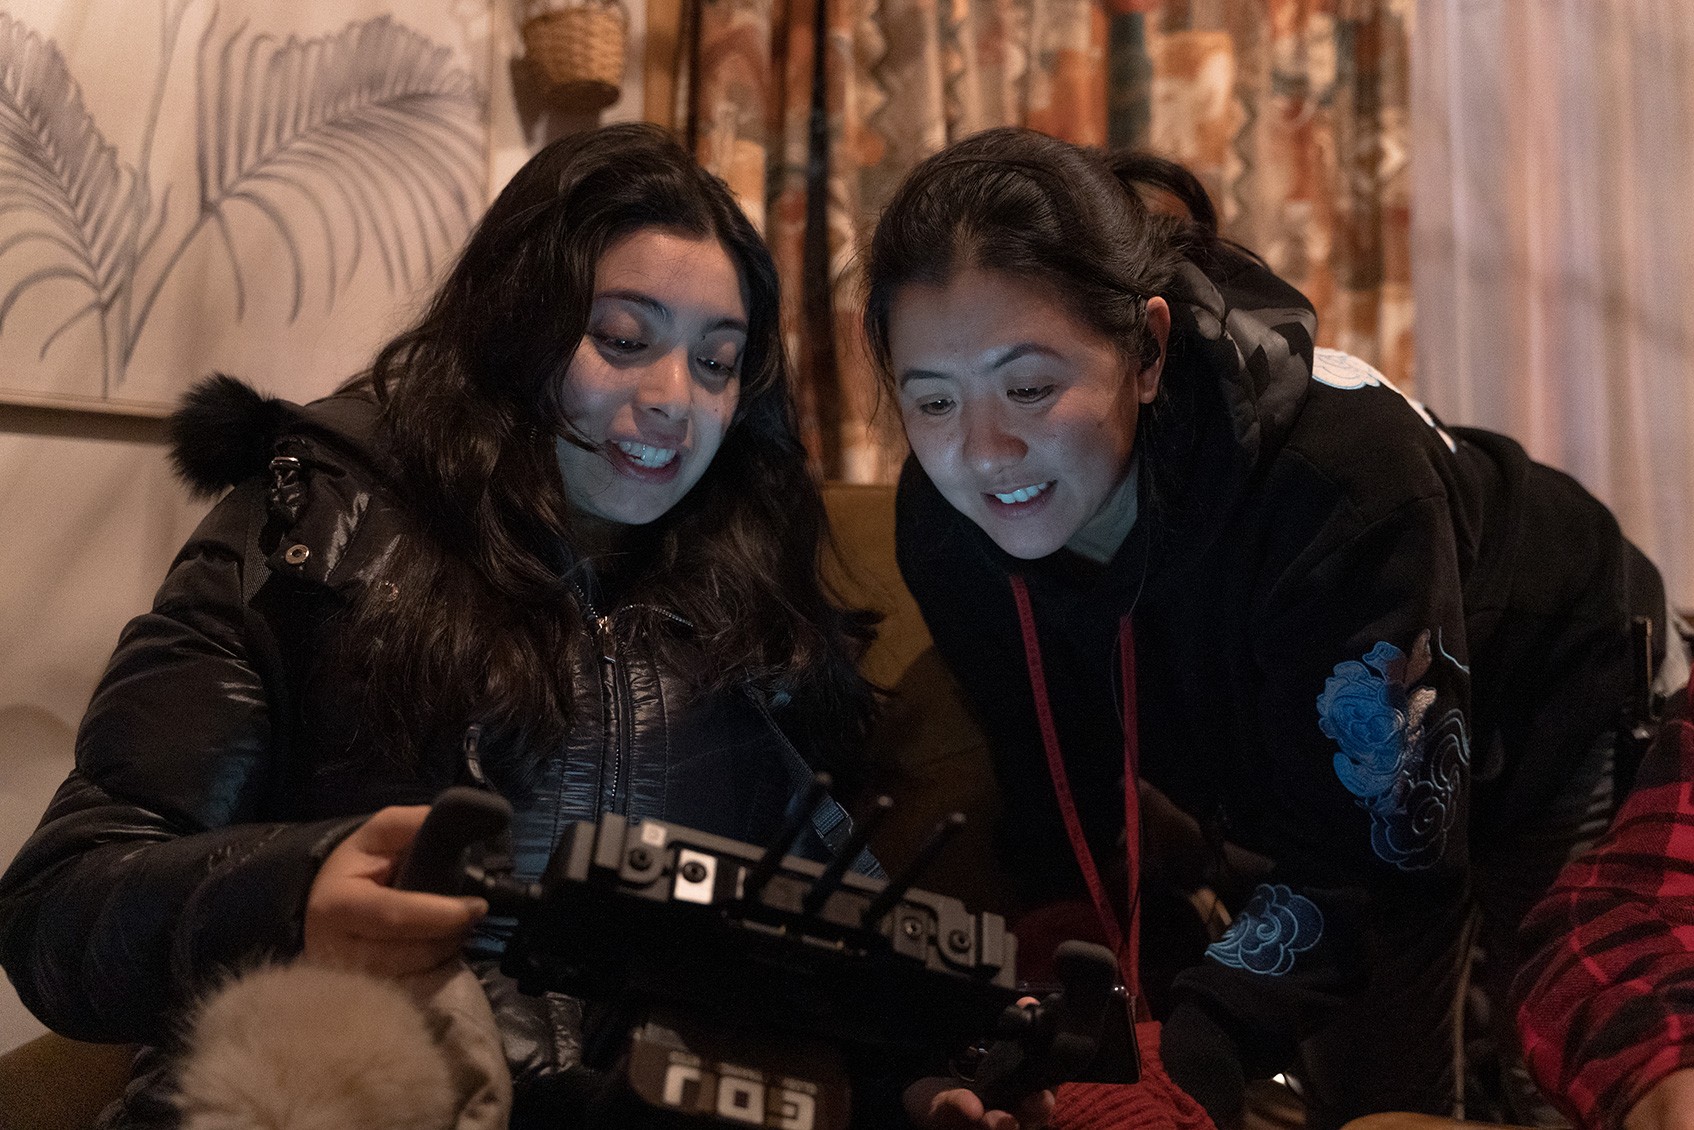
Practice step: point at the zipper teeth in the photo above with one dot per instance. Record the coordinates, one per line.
(617, 691)
(603, 619)
(626, 733)
(588, 608)
(612, 689)
(660, 611)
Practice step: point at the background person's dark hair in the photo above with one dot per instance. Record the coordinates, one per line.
(481, 602)
(1104, 232)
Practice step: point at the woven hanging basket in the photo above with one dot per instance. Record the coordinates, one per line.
(581, 51)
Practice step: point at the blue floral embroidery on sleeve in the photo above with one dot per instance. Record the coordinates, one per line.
(1403, 763)
(1276, 925)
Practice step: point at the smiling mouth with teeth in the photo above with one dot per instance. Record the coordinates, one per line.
(1023, 494)
(646, 455)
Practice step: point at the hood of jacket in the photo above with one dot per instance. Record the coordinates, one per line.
(1239, 327)
(226, 431)
(1237, 374)
(320, 467)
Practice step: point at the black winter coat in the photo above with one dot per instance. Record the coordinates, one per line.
(220, 760)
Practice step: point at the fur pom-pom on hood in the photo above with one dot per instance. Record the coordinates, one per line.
(222, 433)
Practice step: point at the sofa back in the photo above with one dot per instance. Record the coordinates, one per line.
(926, 751)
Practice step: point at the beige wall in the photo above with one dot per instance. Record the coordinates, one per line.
(89, 520)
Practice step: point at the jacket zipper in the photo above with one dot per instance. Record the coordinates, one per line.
(614, 689)
(606, 643)
(616, 685)
(658, 610)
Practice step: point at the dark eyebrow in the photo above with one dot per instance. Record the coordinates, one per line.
(660, 310)
(1020, 351)
(919, 375)
(1006, 357)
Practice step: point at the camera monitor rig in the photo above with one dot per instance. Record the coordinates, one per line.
(757, 988)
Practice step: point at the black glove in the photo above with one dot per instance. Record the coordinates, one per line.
(1203, 1059)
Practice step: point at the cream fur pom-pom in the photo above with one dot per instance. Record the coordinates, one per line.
(302, 1047)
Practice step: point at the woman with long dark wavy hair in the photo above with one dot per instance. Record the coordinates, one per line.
(561, 541)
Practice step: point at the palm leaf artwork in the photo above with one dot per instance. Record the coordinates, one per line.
(370, 133)
(56, 166)
(363, 144)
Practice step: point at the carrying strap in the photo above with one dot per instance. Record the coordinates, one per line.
(1127, 949)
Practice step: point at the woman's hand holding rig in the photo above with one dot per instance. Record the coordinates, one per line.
(355, 920)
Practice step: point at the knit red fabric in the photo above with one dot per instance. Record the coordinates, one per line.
(1155, 1103)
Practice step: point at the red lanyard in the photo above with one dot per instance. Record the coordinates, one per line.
(1128, 952)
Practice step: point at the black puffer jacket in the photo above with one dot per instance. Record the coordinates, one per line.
(221, 758)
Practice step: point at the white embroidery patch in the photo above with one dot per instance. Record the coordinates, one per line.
(1344, 371)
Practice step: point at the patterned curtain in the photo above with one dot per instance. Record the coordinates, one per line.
(1294, 115)
(1292, 112)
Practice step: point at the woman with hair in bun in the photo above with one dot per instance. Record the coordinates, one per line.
(1245, 626)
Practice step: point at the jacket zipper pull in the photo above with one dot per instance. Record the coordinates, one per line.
(473, 756)
(608, 646)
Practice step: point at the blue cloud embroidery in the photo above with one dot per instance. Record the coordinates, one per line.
(1276, 925)
(1403, 763)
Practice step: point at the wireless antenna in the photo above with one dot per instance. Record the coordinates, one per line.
(799, 811)
(951, 825)
(830, 881)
